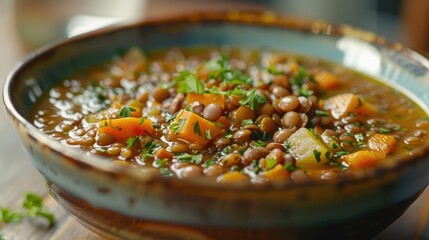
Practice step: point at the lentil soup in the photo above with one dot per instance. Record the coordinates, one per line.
(232, 115)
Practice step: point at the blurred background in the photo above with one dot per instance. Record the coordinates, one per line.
(26, 25)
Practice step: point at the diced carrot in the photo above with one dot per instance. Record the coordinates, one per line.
(137, 106)
(206, 99)
(327, 80)
(224, 121)
(123, 128)
(381, 144)
(194, 128)
(343, 104)
(360, 159)
(277, 174)
(233, 177)
(162, 153)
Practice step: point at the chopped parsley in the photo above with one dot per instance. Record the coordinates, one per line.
(385, 130)
(246, 122)
(175, 127)
(341, 153)
(228, 135)
(208, 135)
(269, 163)
(32, 207)
(209, 162)
(159, 163)
(188, 83)
(126, 111)
(259, 143)
(149, 148)
(131, 142)
(185, 157)
(197, 129)
(317, 154)
(253, 99)
(290, 167)
(322, 113)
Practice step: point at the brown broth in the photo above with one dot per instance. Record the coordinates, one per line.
(247, 150)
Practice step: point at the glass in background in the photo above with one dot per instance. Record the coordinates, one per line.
(44, 21)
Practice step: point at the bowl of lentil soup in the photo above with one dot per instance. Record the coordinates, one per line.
(227, 125)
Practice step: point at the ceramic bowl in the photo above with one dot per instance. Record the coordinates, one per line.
(122, 202)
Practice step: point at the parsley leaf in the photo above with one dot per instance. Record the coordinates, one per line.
(188, 83)
(269, 163)
(149, 149)
(126, 111)
(9, 216)
(34, 206)
(208, 135)
(197, 129)
(259, 143)
(322, 113)
(185, 157)
(253, 99)
(317, 155)
(245, 122)
(290, 167)
(131, 142)
(209, 162)
(159, 163)
(176, 126)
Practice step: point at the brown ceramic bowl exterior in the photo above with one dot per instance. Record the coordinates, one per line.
(127, 203)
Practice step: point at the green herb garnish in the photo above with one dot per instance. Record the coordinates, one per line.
(188, 83)
(317, 155)
(131, 142)
(259, 143)
(197, 129)
(290, 167)
(246, 122)
(269, 163)
(185, 157)
(175, 127)
(126, 111)
(253, 99)
(322, 113)
(208, 135)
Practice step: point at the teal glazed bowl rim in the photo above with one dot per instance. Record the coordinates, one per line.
(266, 19)
(135, 195)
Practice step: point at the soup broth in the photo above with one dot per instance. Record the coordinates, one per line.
(232, 115)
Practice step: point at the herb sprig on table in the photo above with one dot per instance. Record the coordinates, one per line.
(32, 207)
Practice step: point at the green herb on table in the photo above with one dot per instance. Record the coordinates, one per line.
(32, 207)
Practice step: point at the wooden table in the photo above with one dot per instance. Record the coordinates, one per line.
(18, 176)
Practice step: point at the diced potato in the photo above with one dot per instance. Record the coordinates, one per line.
(306, 148)
(341, 105)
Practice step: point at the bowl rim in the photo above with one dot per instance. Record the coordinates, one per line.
(262, 18)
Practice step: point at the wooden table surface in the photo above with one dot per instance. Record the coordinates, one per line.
(18, 176)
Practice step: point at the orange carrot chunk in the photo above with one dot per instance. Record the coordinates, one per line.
(277, 174)
(381, 144)
(123, 128)
(162, 153)
(193, 128)
(360, 159)
(327, 80)
(343, 104)
(206, 99)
